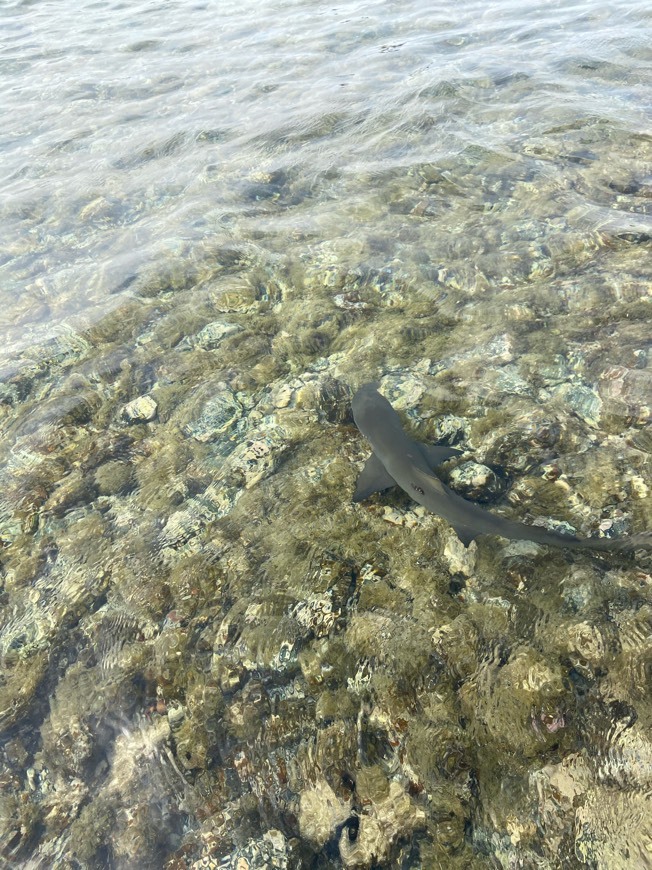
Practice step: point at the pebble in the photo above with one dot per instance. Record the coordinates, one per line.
(214, 333)
(141, 410)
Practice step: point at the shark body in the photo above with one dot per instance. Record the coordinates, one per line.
(398, 460)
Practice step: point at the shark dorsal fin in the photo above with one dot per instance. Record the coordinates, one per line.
(423, 482)
(423, 479)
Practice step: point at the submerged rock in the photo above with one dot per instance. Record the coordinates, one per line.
(219, 413)
(214, 333)
(270, 852)
(114, 478)
(321, 813)
(388, 818)
(461, 559)
(476, 482)
(141, 410)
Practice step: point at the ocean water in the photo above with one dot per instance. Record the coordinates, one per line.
(217, 220)
(134, 132)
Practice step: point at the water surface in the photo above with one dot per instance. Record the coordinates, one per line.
(217, 221)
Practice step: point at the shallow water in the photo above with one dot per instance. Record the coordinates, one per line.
(216, 223)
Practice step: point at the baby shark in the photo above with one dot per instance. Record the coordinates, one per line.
(398, 460)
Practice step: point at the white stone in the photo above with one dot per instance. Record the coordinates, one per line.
(141, 410)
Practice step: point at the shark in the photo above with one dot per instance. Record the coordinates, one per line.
(398, 460)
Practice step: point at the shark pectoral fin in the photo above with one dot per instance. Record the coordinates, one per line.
(465, 534)
(373, 478)
(435, 454)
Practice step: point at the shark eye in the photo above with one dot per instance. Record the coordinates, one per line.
(417, 489)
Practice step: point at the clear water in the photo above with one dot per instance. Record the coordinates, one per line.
(242, 211)
(135, 131)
